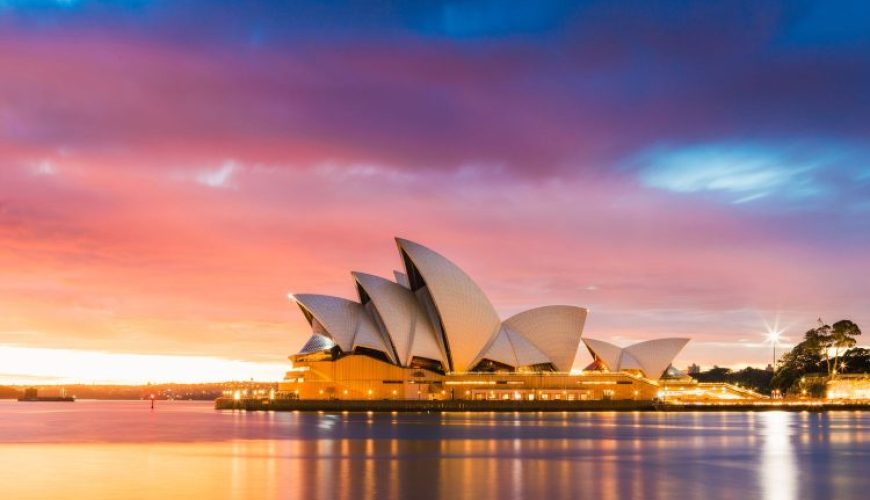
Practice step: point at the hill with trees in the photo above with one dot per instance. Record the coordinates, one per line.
(827, 350)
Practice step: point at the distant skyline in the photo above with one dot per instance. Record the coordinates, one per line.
(169, 171)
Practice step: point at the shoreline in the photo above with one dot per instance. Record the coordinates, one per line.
(447, 405)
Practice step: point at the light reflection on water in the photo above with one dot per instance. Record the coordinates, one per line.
(778, 468)
(187, 450)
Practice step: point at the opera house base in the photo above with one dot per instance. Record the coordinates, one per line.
(427, 405)
(362, 383)
(360, 377)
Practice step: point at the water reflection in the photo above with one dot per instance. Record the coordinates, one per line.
(106, 450)
(778, 465)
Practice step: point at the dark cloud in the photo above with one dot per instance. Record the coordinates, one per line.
(534, 88)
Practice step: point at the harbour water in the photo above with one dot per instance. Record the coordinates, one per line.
(100, 449)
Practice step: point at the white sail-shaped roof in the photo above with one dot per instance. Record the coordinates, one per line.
(402, 279)
(368, 336)
(605, 351)
(628, 362)
(554, 330)
(527, 352)
(425, 342)
(406, 322)
(500, 350)
(511, 348)
(652, 357)
(396, 307)
(344, 321)
(467, 319)
(317, 343)
(338, 317)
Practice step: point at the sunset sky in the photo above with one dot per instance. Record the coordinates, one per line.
(171, 170)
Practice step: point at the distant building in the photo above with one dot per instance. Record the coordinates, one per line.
(693, 369)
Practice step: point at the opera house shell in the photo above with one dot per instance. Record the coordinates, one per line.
(434, 315)
(651, 358)
(430, 332)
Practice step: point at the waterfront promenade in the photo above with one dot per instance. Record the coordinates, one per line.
(337, 405)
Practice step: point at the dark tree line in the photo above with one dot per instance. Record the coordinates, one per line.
(752, 378)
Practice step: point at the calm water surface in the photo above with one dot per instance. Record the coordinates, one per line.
(91, 449)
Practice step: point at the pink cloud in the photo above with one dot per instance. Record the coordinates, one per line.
(138, 260)
(140, 239)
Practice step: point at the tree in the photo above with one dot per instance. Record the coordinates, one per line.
(843, 336)
(804, 358)
(820, 338)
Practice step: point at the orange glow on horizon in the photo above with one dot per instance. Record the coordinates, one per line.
(26, 365)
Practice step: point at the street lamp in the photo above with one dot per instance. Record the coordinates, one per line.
(773, 336)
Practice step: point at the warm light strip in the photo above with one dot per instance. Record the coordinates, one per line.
(29, 365)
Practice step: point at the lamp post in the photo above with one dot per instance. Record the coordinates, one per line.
(773, 337)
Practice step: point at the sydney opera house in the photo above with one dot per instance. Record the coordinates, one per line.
(431, 333)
